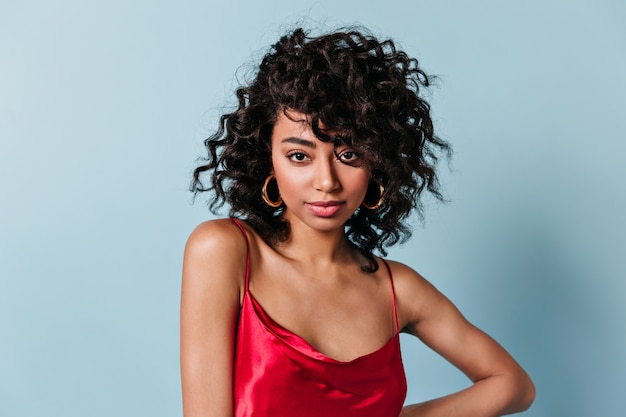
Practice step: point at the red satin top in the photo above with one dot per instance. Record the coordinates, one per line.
(278, 374)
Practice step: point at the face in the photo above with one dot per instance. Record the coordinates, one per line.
(320, 184)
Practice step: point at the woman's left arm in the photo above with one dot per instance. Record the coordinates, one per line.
(500, 385)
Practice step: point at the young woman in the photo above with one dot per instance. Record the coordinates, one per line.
(285, 310)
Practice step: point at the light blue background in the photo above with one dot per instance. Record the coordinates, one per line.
(103, 108)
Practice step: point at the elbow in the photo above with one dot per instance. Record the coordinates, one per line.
(517, 392)
(525, 393)
(528, 394)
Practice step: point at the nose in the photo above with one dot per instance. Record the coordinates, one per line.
(326, 179)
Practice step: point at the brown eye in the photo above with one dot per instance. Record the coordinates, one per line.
(297, 156)
(348, 156)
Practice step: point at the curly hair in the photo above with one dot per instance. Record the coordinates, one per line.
(354, 84)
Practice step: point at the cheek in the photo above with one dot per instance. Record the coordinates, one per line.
(288, 184)
(358, 182)
(364, 185)
(289, 180)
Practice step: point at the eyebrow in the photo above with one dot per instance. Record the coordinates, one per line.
(299, 141)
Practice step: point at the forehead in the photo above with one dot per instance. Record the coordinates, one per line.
(298, 124)
(291, 123)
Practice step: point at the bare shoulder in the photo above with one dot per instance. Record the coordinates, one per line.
(409, 283)
(212, 286)
(216, 250)
(215, 236)
(416, 297)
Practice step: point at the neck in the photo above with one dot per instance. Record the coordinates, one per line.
(316, 247)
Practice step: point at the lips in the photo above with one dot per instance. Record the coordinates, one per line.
(324, 208)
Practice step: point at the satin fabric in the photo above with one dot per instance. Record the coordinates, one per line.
(278, 374)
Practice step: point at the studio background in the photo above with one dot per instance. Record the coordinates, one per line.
(103, 109)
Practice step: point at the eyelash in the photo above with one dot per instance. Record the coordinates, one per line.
(353, 153)
(293, 156)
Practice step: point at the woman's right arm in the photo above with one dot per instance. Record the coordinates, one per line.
(213, 279)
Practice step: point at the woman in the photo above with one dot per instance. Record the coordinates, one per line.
(287, 311)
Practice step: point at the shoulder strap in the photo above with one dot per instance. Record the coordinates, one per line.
(245, 235)
(393, 296)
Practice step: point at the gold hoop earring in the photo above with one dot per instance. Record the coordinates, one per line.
(381, 189)
(266, 198)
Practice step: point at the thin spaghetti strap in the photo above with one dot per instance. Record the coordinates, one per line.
(243, 231)
(393, 296)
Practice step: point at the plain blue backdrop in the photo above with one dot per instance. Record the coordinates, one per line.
(103, 109)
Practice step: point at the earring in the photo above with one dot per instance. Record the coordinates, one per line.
(273, 204)
(381, 190)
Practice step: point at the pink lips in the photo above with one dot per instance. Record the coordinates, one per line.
(324, 208)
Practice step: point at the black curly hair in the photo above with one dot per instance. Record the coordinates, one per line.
(354, 84)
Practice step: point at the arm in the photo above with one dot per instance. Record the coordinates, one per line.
(213, 279)
(500, 386)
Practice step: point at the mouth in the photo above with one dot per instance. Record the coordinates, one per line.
(324, 208)
(325, 203)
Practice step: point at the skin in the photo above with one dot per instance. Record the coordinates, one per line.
(312, 284)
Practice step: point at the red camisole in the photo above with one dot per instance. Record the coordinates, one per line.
(278, 374)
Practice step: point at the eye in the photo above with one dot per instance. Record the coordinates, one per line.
(297, 156)
(348, 156)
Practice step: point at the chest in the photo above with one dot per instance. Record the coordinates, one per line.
(278, 373)
(343, 316)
